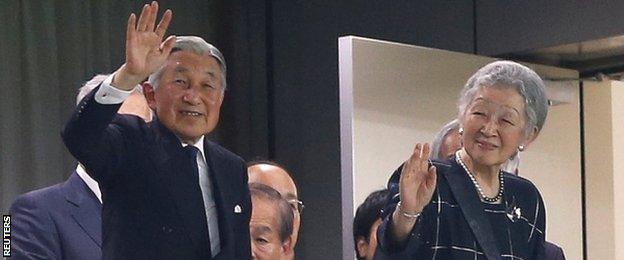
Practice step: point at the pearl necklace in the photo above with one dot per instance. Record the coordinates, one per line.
(501, 185)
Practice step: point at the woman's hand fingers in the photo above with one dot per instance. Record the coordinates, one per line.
(417, 180)
(416, 185)
(431, 179)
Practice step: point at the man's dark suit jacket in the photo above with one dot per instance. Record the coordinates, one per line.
(153, 205)
(58, 222)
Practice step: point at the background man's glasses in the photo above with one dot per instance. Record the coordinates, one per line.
(297, 205)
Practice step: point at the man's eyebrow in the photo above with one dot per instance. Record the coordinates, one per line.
(262, 229)
(211, 74)
(180, 69)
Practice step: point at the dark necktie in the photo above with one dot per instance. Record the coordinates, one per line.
(192, 151)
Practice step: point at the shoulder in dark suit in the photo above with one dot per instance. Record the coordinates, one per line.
(153, 203)
(58, 222)
(552, 252)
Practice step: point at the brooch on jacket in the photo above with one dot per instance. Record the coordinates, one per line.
(513, 211)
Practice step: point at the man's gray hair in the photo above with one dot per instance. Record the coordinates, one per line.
(198, 46)
(509, 74)
(438, 140)
(285, 212)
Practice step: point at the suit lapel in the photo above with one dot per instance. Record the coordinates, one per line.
(176, 176)
(220, 184)
(466, 195)
(84, 207)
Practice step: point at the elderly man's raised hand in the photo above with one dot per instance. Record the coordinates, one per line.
(145, 49)
(416, 186)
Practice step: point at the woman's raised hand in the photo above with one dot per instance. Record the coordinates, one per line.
(418, 180)
(416, 186)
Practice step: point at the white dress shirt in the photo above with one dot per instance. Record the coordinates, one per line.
(209, 204)
(108, 94)
(91, 183)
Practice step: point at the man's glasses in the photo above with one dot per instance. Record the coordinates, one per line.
(296, 205)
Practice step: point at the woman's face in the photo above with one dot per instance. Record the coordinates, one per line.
(494, 125)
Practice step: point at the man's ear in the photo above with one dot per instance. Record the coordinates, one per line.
(220, 99)
(148, 91)
(361, 247)
(287, 247)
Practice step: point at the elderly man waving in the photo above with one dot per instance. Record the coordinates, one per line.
(168, 192)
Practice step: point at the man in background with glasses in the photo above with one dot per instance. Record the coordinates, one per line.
(277, 177)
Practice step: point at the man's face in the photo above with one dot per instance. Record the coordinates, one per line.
(366, 249)
(264, 229)
(189, 94)
(278, 179)
(372, 243)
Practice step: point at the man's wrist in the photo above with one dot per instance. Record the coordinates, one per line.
(124, 81)
(109, 94)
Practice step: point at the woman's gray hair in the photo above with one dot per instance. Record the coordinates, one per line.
(198, 46)
(509, 74)
(438, 140)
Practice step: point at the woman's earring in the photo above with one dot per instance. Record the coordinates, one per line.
(461, 130)
(521, 148)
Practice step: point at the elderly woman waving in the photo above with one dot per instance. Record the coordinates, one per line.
(467, 207)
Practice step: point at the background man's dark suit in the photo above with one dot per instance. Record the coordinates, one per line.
(58, 222)
(153, 203)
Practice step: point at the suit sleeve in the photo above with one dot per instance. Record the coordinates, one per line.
(246, 243)
(92, 139)
(34, 233)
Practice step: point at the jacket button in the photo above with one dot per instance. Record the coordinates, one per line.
(167, 230)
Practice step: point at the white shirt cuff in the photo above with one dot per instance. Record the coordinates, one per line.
(108, 94)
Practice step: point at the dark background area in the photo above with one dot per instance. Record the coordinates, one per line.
(282, 102)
